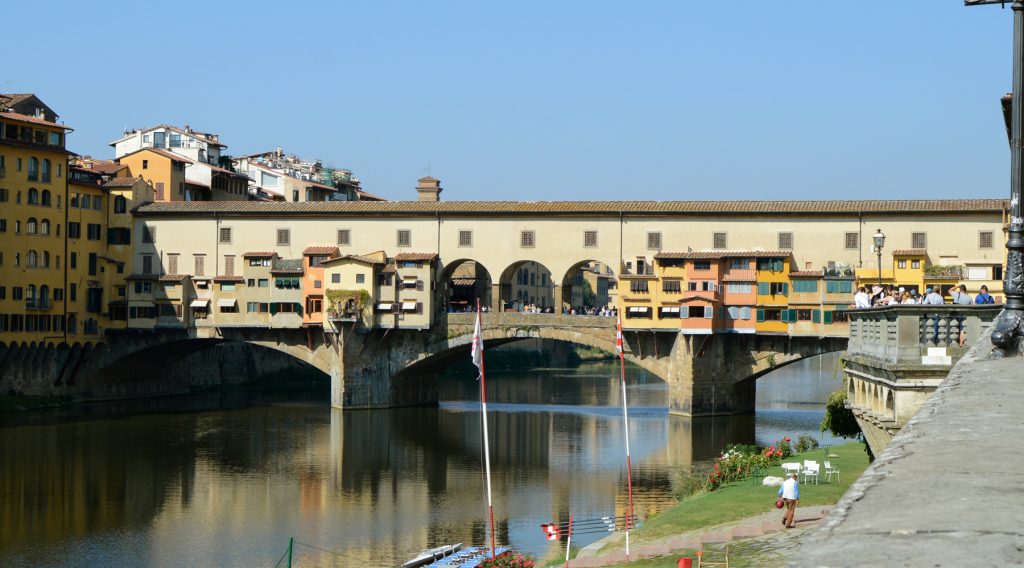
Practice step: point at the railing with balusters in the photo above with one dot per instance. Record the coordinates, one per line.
(903, 333)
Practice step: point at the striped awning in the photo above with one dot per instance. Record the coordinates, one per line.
(200, 303)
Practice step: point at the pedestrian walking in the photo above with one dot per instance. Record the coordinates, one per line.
(790, 493)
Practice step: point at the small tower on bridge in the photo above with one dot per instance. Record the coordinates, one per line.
(428, 188)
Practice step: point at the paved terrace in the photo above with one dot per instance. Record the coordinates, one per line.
(949, 488)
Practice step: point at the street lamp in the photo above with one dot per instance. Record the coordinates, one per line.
(879, 243)
(1008, 331)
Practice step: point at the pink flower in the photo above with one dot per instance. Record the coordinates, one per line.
(786, 438)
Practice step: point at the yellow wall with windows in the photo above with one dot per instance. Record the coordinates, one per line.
(31, 229)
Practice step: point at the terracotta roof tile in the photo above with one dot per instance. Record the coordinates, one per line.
(392, 269)
(463, 281)
(320, 250)
(806, 273)
(226, 278)
(259, 254)
(174, 277)
(415, 256)
(370, 208)
(122, 182)
(31, 119)
(909, 252)
(356, 257)
(713, 254)
(108, 167)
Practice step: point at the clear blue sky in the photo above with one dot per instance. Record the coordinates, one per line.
(528, 100)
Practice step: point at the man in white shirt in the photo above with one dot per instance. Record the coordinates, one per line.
(933, 297)
(962, 297)
(861, 299)
(790, 493)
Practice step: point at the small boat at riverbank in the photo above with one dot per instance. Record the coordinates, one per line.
(432, 555)
(471, 557)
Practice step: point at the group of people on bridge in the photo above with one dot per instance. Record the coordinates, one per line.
(890, 295)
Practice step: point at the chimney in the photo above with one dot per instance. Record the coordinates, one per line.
(429, 189)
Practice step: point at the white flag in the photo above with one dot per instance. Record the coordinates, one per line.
(477, 351)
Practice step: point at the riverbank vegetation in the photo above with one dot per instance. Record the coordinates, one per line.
(737, 500)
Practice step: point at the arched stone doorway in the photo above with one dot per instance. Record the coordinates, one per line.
(527, 283)
(589, 285)
(462, 283)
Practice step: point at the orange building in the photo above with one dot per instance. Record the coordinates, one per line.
(313, 283)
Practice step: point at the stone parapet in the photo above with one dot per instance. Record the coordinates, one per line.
(948, 489)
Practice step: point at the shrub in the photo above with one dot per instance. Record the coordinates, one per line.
(804, 444)
(839, 419)
(512, 560)
(688, 484)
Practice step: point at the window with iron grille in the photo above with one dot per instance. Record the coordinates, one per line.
(344, 236)
(465, 238)
(637, 285)
(284, 237)
(404, 237)
(654, 241)
(985, 239)
(225, 235)
(720, 241)
(702, 265)
(919, 240)
(786, 241)
(852, 241)
(671, 286)
(527, 239)
(590, 238)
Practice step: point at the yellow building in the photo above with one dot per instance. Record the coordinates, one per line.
(33, 166)
(165, 171)
(99, 234)
(773, 289)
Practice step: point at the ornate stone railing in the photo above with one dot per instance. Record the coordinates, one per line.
(898, 355)
(904, 333)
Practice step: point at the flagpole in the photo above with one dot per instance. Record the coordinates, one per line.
(625, 430)
(478, 360)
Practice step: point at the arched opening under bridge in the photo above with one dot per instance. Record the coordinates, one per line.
(463, 282)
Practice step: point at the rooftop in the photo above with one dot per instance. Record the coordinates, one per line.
(906, 207)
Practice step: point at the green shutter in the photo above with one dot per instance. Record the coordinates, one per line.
(792, 315)
(828, 316)
(785, 289)
(760, 314)
(816, 316)
(762, 288)
(847, 287)
(273, 308)
(785, 316)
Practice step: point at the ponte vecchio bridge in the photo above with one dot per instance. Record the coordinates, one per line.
(363, 290)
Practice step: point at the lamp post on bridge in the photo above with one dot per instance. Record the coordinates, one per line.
(879, 243)
(1008, 331)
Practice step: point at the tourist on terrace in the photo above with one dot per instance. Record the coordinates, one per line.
(790, 493)
(961, 297)
(933, 297)
(861, 299)
(983, 297)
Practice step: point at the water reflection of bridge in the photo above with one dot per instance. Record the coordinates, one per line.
(201, 487)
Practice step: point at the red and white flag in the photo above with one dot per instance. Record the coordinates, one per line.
(618, 338)
(477, 351)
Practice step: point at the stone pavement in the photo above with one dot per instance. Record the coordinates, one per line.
(949, 488)
(751, 528)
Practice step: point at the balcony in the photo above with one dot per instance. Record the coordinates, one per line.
(739, 275)
(839, 272)
(40, 304)
(948, 272)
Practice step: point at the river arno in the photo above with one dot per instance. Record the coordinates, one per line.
(228, 487)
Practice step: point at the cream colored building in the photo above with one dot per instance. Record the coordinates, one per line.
(561, 237)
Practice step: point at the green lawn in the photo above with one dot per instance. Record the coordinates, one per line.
(736, 501)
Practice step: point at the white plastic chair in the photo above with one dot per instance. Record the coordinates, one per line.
(811, 471)
(830, 471)
(790, 468)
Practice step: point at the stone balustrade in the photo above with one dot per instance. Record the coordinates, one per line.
(898, 355)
